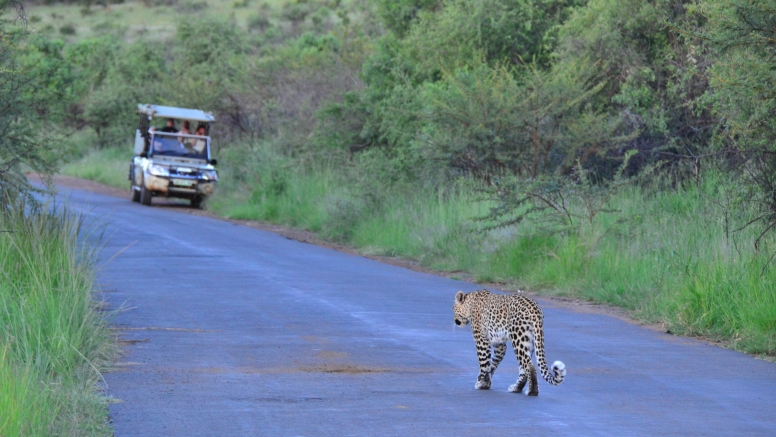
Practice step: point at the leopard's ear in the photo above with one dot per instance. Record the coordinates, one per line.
(459, 297)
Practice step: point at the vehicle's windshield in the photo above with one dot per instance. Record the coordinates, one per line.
(171, 144)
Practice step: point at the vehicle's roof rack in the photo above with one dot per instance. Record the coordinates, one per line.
(177, 113)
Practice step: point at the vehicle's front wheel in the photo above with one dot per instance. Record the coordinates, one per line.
(196, 202)
(135, 194)
(145, 195)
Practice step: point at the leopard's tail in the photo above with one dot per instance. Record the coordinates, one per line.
(558, 373)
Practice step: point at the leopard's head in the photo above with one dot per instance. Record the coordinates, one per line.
(461, 309)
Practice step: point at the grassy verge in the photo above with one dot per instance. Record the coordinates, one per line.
(53, 339)
(107, 166)
(663, 254)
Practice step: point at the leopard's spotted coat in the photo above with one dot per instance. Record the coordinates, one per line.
(498, 318)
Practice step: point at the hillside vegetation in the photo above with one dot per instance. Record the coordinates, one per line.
(615, 150)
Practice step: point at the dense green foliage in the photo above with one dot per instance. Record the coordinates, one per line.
(31, 78)
(620, 150)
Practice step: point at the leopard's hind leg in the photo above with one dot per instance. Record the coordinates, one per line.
(522, 342)
(499, 351)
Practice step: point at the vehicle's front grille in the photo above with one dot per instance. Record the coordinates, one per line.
(176, 172)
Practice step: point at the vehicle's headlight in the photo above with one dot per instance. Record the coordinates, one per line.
(209, 175)
(158, 170)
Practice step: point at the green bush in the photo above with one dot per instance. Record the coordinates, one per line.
(258, 22)
(192, 6)
(67, 29)
(398, 16)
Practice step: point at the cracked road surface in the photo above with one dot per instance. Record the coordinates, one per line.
(233, 331)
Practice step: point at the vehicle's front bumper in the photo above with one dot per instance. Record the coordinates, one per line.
(162, 186)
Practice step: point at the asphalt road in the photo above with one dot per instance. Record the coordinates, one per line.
(232, 331)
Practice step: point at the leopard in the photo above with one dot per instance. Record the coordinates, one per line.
(498, 318)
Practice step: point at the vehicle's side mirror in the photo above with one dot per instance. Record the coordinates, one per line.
(213, 161)
(144, 154)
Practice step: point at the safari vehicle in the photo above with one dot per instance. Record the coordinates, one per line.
(172, 164)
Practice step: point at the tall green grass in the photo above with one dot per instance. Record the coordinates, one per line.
(24, 408)
(435, 227)
(289, 200)
(108, 166)
(53, 339)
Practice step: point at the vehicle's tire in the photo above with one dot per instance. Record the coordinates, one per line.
(196, 202)
(135, 194)
(145, 195)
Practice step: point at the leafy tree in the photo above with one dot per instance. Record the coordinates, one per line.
(503, 31)
(487, 122)
(92, 58)
(34, 88)
(653, 71)
(743, 34)
(210, 66)
(117, 77)
(398, 15)
(439, 39)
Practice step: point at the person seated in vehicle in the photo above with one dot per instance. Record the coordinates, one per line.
(186, 129)
(186, 142)
(200, 143)
(170, 128)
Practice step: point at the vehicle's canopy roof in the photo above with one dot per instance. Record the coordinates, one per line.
(177, 113)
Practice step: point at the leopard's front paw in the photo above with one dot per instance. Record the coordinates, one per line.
(514, 389)
(482, 385)
(483, 382)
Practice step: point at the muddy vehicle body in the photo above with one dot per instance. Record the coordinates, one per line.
(172, 164)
